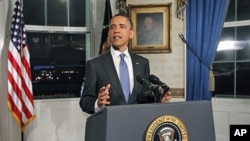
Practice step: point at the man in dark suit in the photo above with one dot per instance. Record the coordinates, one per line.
(102, 86)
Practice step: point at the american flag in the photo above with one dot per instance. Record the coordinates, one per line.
(107, 18)
(20, 94)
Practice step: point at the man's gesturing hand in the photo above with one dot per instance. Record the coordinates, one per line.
(103, 96)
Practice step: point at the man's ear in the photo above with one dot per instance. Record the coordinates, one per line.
(132, 33)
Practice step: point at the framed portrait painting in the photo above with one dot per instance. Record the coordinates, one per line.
(152, 28)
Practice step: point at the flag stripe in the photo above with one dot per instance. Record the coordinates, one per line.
(20, 93)
(16, 94)
(14, 101)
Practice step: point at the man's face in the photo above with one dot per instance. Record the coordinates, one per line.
(120, 32)
(149, 24)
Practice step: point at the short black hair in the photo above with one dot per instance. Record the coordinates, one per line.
(127, 17)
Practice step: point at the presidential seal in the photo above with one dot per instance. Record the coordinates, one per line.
(166, 128)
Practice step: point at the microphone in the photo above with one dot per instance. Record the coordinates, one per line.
(153, 87)
(145, 82)
(154, 79)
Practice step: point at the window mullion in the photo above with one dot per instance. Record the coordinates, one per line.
(68, 15)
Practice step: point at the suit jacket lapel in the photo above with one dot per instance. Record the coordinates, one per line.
(109, 67)
(136, 66)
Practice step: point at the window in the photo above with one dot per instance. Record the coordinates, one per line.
(59, 38)
(232, 61)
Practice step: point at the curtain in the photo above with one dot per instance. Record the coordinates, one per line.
(204, 23)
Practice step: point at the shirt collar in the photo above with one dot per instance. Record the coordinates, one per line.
(116, 53)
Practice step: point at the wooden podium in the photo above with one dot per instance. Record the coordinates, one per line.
(192, 121)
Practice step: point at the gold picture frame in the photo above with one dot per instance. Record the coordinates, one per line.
(151, 27)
